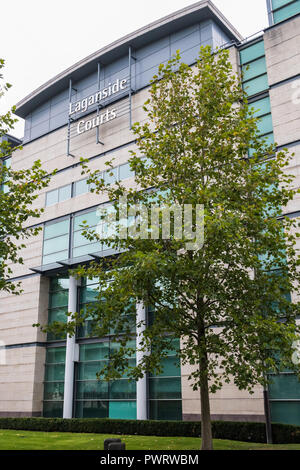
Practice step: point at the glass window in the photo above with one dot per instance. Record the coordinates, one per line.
(86, 249)
(166, 410)
(58, 299)
(59, 283)
(256, 85)
(56, 241)
(279, 3)
(122, 410)
(56, 229)
(7, 162)
(92, 390)
(58, 304)
(268, 139)
(56, 244)
(85, 330)
(52, 197)
(265, 125)
(285, 386)
(55, 372)
(125, 172)
(53, 258)
(81, 245)
(89, 370)
(252, 52)
(165, 388)
(94, 352)
(114, 346)
(54, 391)
(89, 218)
(111, 176)
(122, 389)
(287, 12)
(91, 409)
(65, 193)
(81, 187)
(89, 293)
(261, 107)
(171, 367)
(54, 382)
(55, 355)
(285, 412)
(53, 409)
(258, 67)
(58, 315)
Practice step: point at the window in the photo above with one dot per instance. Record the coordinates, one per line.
(125, 172)
(165, 389)
(81, 245)
(54, 382)
(56, 241)
(58, 303)
(94, 398)
(280, 3)
(65, 193)
(262, 109)
(111, 176)
(285, 398)
(89, 292)
(257, 85)
(7, 164)
(81, 187)
(251, 53)
(254, 68)
(93, 219)
(51, 197)
(284, 9)
(58, 195)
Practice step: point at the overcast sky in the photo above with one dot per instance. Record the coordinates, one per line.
(39, 39)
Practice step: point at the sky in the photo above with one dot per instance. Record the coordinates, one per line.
(39, 39)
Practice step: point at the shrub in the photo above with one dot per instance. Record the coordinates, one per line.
(236, 431)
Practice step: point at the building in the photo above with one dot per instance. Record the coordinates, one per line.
(87, 111)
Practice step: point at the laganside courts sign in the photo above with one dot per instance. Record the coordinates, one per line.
(83, 105)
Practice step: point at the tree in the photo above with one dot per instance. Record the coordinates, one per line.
(18, 190)
(228, 298)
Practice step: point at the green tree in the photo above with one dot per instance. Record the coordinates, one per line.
(18, 189)
(228, 300)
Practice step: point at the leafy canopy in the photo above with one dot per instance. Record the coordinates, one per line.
(229, 300)
(18, 190)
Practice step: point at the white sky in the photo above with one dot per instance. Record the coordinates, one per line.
(39, 39)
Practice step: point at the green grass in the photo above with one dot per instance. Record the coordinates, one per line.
(30, 440)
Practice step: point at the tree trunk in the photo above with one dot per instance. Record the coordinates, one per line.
(206, 432)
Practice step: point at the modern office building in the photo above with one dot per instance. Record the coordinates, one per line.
(87, 111)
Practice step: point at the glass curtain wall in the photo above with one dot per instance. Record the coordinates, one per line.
(285, 388)
(284, 9)
(58, 303)
(99, 398)
(54, 382)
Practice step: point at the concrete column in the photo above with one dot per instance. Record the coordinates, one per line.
(72, 353)
(141, 386)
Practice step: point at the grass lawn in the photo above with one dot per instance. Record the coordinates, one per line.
(31, 440)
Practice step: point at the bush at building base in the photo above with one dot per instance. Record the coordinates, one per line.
(237, 431)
